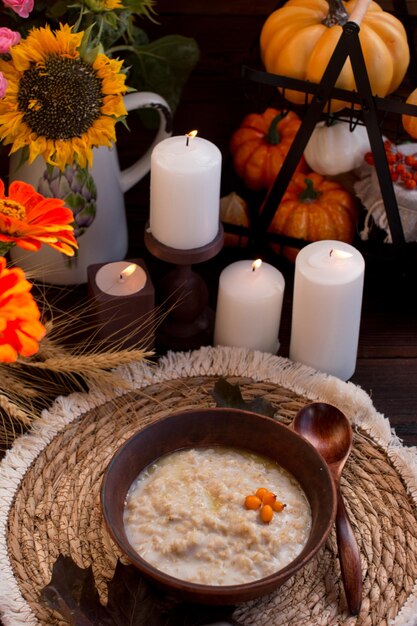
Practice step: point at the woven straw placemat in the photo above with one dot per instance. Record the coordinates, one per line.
(50, 488)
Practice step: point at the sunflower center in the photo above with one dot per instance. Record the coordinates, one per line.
(60, 98)
(12, 209)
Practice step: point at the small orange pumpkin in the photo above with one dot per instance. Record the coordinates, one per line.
(410, 121)
(259, 146)
(315, 208)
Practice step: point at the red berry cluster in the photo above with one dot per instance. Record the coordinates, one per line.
(403, 168)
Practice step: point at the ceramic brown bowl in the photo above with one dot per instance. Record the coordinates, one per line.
(227, 427)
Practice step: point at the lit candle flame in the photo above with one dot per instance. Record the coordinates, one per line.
(192, 133)
(128, 271)
(340, 254)
(256, 264)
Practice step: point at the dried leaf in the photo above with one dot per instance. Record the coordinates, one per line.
(230, 396)
(72, 593)
(132, 601)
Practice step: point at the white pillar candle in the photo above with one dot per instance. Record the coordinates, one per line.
(327, 304)
(121, 278)
(249, 305)
(185, 192)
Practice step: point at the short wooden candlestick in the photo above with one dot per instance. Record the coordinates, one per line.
(123, 321)
(190, 322)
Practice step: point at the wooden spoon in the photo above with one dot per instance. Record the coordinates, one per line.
(330, 432)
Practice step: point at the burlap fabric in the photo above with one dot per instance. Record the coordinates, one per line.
(50, 483)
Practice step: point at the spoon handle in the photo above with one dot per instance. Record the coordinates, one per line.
(349, 557)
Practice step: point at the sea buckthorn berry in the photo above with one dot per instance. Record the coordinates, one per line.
(261, 492)
(266, 513)
(268, 498)
(410, 183)
(252, 502)
(411, 160)
(278, 506)
(406, 174)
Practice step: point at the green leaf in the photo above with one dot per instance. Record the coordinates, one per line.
(163, 66)
(137, 36)
(55, 10)
(85, 41)
(230, 396)
(111, 20)
(132, 601)
(145, 8)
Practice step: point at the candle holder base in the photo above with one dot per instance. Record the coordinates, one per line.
(189, 321)
(174, 335)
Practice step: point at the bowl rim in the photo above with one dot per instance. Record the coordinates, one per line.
(257, 585)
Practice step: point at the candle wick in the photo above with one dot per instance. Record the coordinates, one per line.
(331, 252)
(121, 278)
(253, 268)
(187, 140)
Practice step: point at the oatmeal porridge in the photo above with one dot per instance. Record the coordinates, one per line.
(185, 515)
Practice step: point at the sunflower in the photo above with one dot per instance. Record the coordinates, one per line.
(104, 5)
(57, 104)
(28, 220)
(20, 328)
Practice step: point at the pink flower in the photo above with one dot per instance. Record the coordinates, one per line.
(3, 85)
(21, 7)
(8, 38)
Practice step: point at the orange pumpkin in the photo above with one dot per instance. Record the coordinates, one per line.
(298, 40)
(410, 121)
(260, 145)
(315, 208)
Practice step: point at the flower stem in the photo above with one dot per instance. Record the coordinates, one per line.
(5, 248)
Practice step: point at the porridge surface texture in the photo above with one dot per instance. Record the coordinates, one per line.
(185, 515)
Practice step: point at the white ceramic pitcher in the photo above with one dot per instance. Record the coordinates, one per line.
(106, 239)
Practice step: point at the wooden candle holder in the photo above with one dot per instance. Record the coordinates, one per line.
(124, 321)
(189, 324)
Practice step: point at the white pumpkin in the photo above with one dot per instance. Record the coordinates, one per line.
(336, 149)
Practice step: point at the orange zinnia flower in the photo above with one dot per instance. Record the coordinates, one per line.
(28, 220)
(20, 328)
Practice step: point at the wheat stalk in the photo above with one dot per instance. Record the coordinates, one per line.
(14, 386)
(11, 408)
(98, 361)
(58, 368)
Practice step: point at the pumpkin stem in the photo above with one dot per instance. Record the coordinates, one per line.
(273, 137)
(337, 14)
(309, 192)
